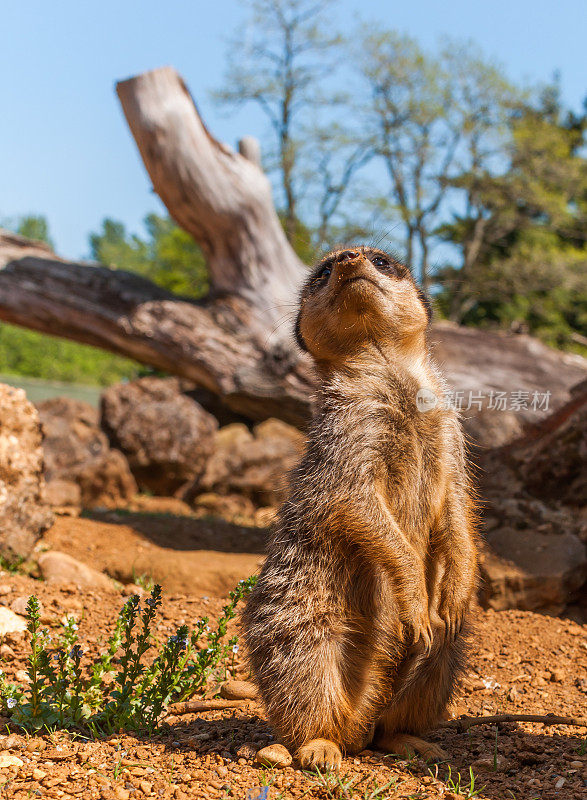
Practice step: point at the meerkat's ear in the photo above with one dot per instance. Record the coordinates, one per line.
(425, 300)
(298, 335)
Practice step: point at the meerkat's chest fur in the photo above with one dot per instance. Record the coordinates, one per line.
(361, 442)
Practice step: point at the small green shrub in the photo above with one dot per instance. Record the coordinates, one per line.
(124, 688)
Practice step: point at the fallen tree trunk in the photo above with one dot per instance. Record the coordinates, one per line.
(209, 343)
(237, 343)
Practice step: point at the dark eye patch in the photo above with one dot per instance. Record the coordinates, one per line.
(385, 264)
(320, 276)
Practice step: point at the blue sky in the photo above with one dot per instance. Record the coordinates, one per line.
(65, 150)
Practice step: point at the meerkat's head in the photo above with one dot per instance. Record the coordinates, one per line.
(358, 295)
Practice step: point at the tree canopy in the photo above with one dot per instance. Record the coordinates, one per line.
(480, 185)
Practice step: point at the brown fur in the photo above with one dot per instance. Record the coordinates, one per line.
(355, 629)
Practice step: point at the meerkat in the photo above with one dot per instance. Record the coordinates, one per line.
(356, 629)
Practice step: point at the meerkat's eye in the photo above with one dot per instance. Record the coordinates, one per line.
(324, 273)
(384, 264)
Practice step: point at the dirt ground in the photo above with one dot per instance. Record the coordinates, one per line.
(520, 663)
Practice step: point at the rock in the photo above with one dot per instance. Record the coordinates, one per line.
(10, 622)
(239, 690)
(78, 453)
(166, 436)
(133, 588)
(59, 567)
(557, 676)
(254, 464)
(478, 362)
(531, 570)
(490, 764)
(227, 506)
(534, 492)
(8, 760)
(274, 755)
(19, 605)
(39, 774)
(247, 750)
(7, 653)
(23, 512)
(107, 481)
(63, 494)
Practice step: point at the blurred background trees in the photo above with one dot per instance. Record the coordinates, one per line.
(480, 185)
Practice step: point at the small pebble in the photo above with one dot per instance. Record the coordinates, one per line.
(7, 653)
(19, 605)
(274, 755)
(39, 774)
(238, 690)
(490, 764)
(8, 760)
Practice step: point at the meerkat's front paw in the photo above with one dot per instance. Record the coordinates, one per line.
(421, 629)
(453, 616)
(320, 754)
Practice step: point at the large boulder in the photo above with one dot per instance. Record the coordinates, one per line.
(166, 436)
(79, 462)
(23, 513)
(503, 382)
(254, 464)
(61, 568)
(535, 515)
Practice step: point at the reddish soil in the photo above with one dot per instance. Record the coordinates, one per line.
(183, 553)
(520, 663)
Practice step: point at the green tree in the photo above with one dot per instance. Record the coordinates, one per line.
(280, 62)
(523, 234)
(28, 353)
(428, 114)
(168, 256)
(33, 226)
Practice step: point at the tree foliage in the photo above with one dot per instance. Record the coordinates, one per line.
(34, 226)
(168, 256)
(32, 354)
(524, 231)
(280, 62)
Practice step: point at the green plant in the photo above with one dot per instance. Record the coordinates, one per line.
(340, 787)
(143, 580)
(123, 688)
(458, 787)
(13, 566)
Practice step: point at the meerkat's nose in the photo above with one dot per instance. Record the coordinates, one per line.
(347, 255)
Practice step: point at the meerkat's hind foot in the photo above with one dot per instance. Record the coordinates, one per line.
(320, 754)
(406, 746)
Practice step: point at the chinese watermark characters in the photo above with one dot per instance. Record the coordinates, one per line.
(491, 400)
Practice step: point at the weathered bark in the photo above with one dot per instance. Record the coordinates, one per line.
(218, 196)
